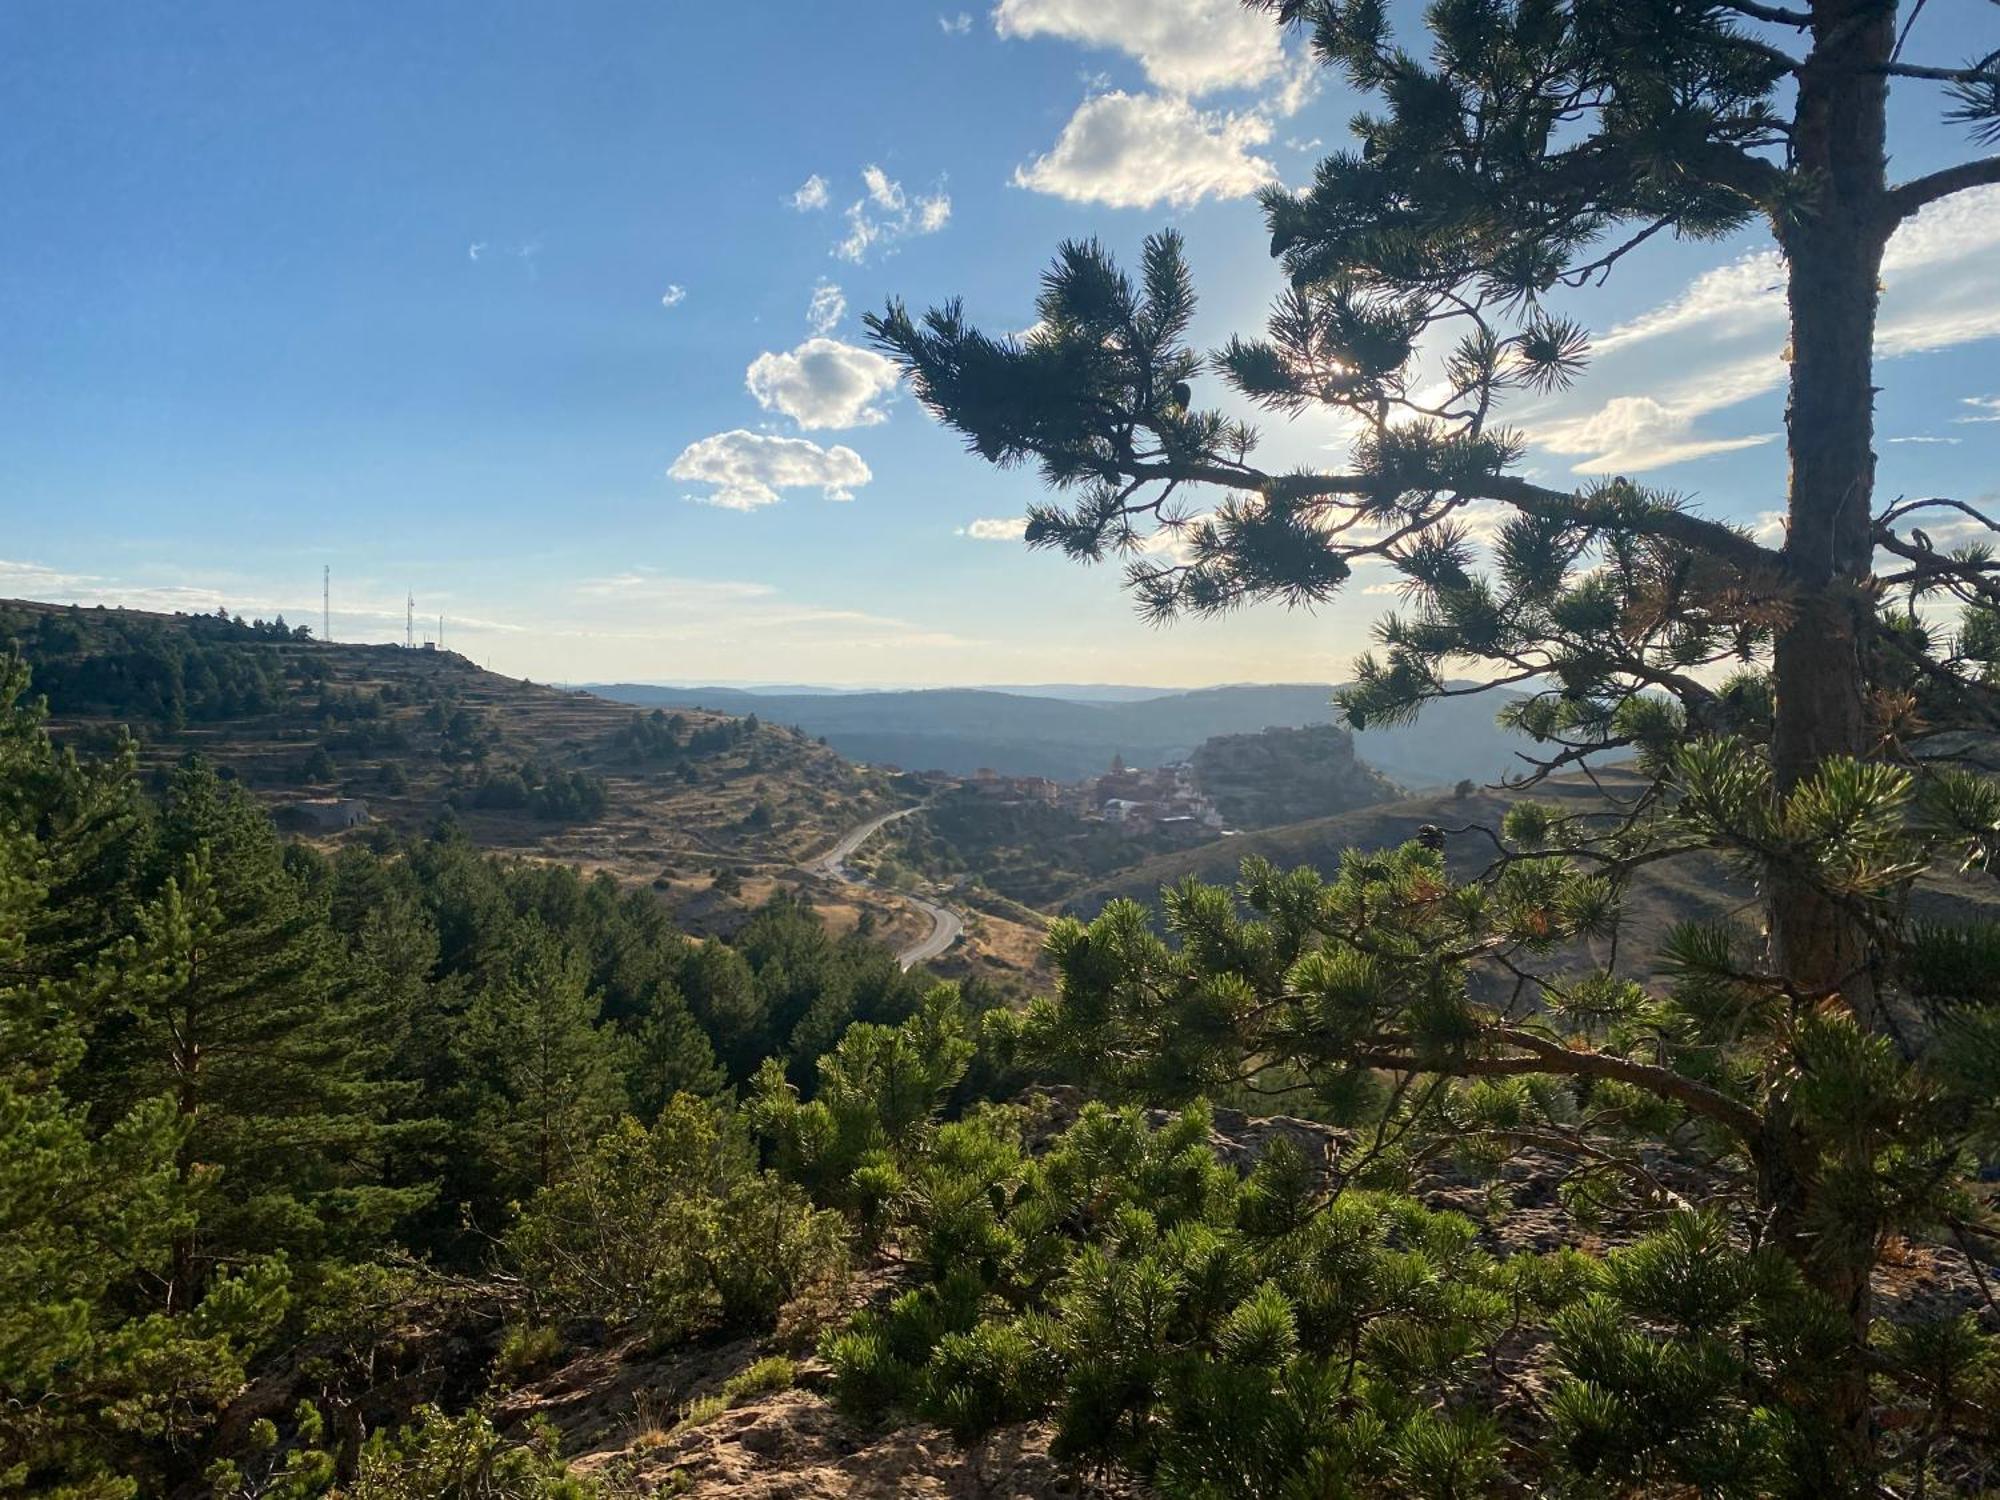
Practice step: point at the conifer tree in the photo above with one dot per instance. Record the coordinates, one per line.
(233, 1010)
(670, 1054)
(1521, 152)
(541, 1075)
(93, 1372)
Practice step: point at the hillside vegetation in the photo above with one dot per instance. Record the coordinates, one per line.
(521, 768)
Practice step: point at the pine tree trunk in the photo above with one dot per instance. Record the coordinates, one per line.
(1834, 253)
(181, 1286)
(1835, 256)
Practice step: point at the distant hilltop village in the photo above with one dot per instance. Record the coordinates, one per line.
(1162, 797)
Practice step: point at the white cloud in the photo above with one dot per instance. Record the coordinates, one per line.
(1985, 409)
(748, 469)
(674, 295)
(26, 580)
(1137, 150)
(1297, 87)
(887, 214)
(958, 25)
(887, 194)
(827, 308)
(1188, 46)
(1951, 441)
(812, 194)
(823, 383)
(476, 249)
(996, 529)
(1720, 338)
(1633, 433)
(1750, 292)
(1728, 299)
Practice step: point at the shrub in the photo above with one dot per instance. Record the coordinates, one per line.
(674, 1230)
(526, 1348)
(439, 1457)
(772, 1373)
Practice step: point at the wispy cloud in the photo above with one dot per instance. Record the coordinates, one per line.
(995, 529)
(1721, 334)
(827, 308)
(674, 295)
(886, 214)
(812, 194)
(1630, 434)
(653, 585)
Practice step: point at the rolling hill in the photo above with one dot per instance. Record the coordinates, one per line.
(1019, 733)
(524, 769)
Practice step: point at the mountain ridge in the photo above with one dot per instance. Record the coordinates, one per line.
(962, 730)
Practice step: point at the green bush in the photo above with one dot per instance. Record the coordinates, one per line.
(526, 1348)
(673, 1230)
(774, 1372)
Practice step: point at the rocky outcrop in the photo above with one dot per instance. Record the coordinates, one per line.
(1287, 776)
(795, 1445)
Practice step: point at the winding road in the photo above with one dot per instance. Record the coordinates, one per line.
(947, 927)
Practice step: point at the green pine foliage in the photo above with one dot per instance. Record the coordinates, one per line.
(1818, 709)
(543, 1076)
(98, 1385)
(272, 1116)
(1170, 1318)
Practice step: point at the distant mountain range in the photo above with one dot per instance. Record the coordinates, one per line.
(1050, 733)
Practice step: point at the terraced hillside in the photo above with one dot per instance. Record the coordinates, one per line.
(524, 768)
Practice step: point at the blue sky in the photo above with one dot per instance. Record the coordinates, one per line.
(491, 304)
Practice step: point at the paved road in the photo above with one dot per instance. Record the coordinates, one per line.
(947, 927)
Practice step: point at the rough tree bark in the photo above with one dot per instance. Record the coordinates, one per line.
(1833, 249)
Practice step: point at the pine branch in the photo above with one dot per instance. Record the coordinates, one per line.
(1690, 531)
(1546, 1055)
(1981, 72)
(1777, 15)
(1915, 194)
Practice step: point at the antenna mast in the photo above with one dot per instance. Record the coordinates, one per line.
(440, 632)
(326, 602)
(410, 625)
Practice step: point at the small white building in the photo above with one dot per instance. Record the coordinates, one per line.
(325, 814)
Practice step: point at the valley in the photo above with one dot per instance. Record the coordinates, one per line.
(1018, 732)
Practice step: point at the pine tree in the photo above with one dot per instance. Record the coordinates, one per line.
(1531, 152)
(542, 1077)
(670, 1054)
(234, 1011)
(90, 1209)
